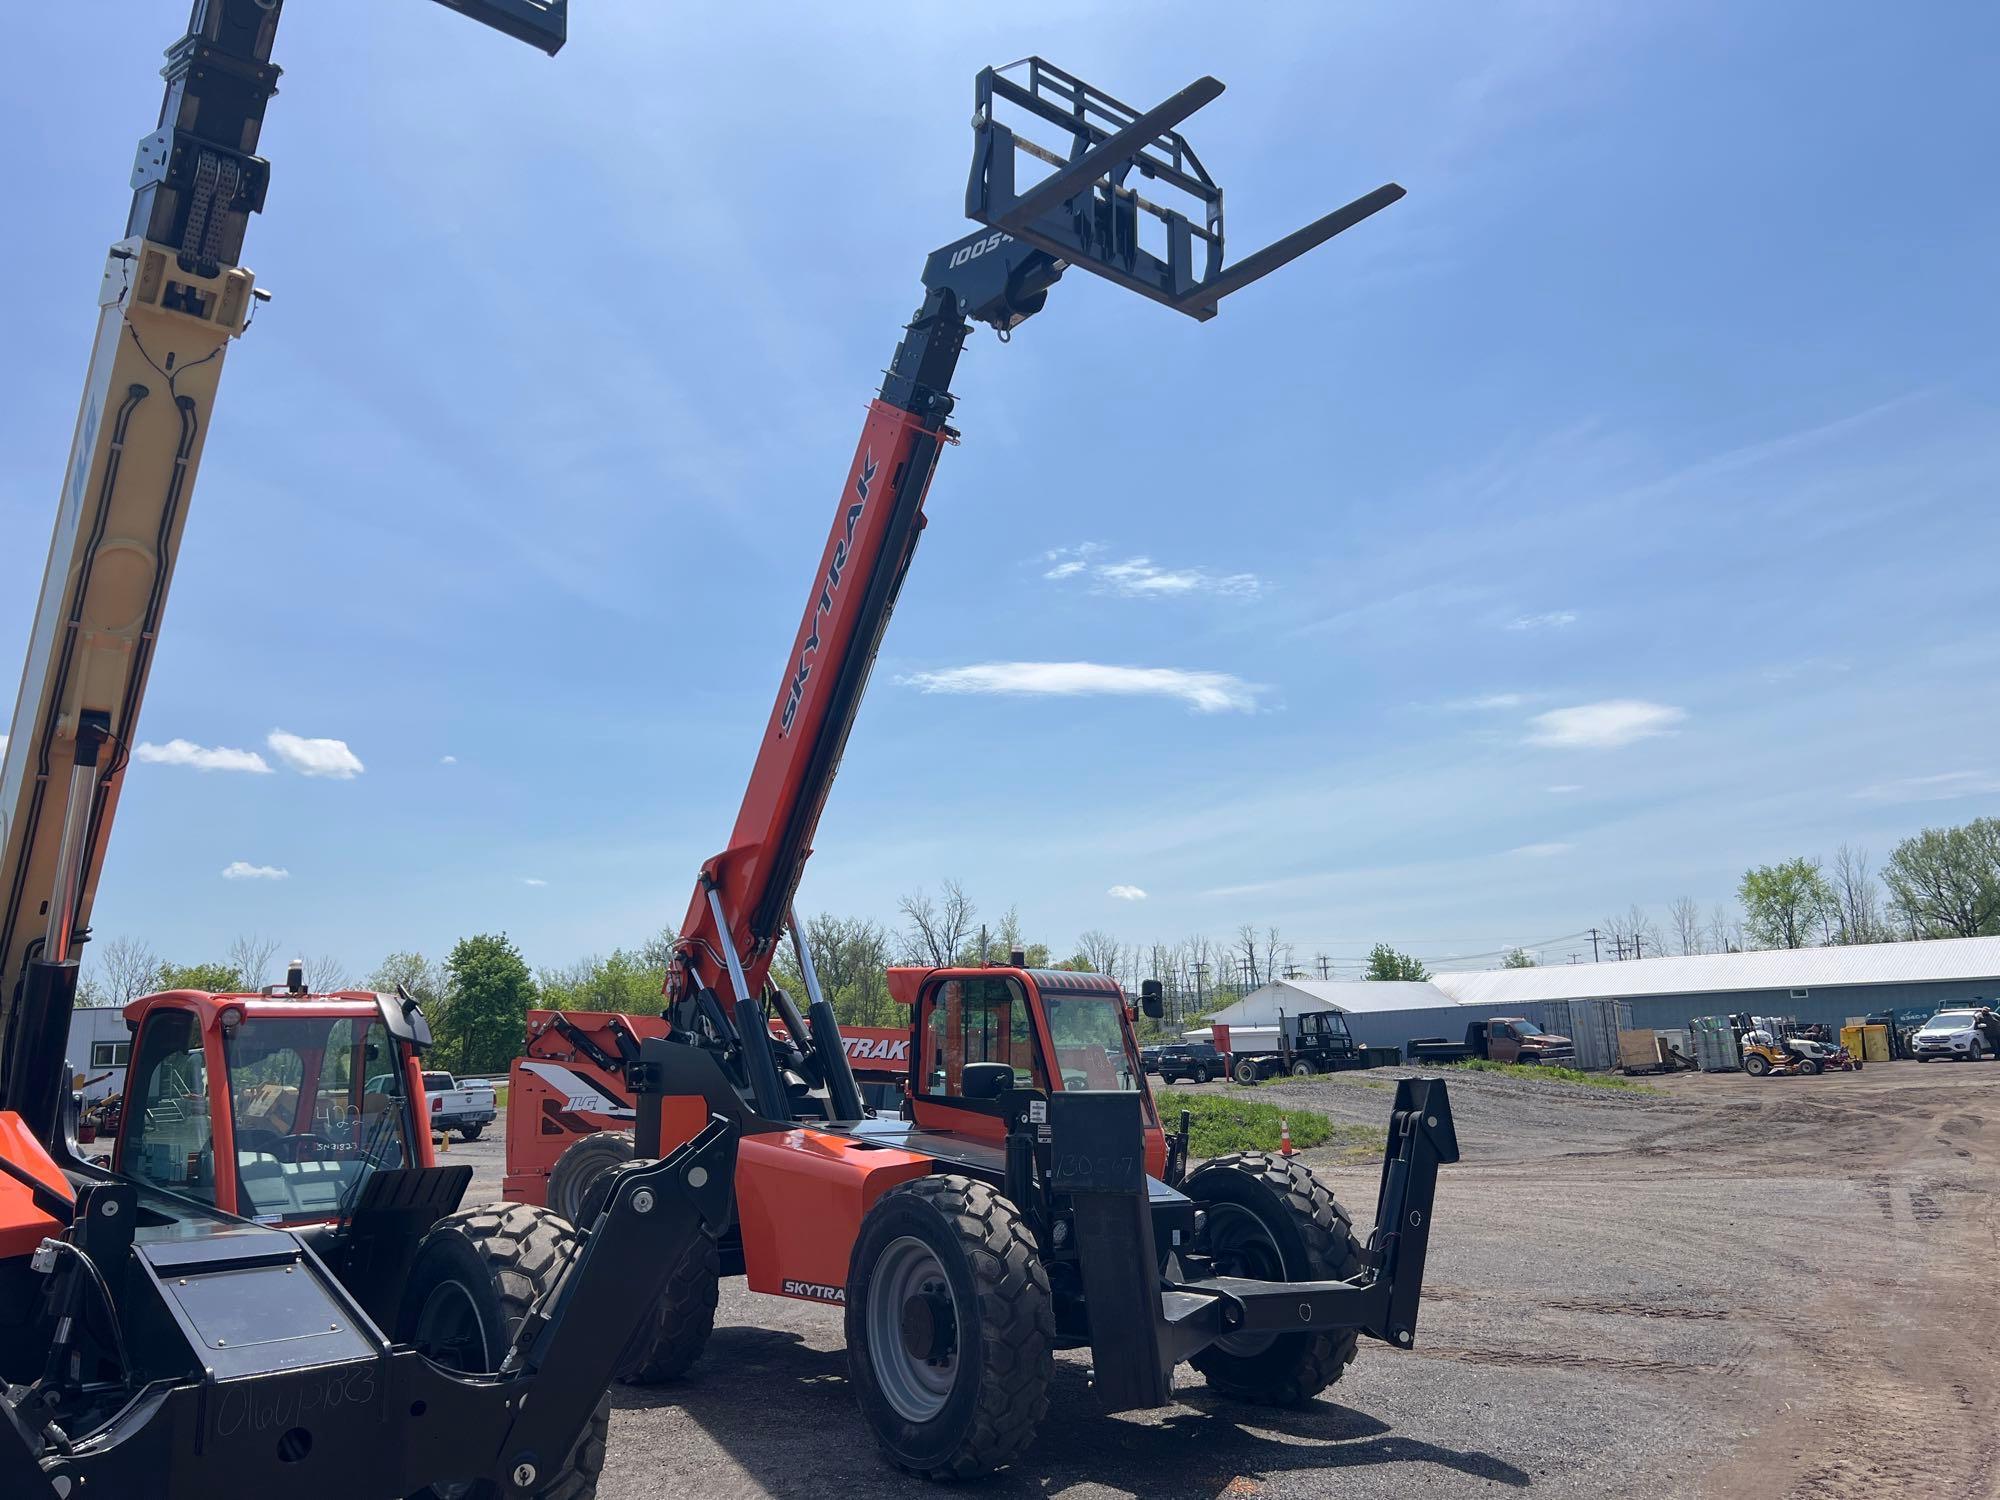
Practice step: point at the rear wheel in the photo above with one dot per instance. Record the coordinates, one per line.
(1246, 1071)
(1756, 1065)
(583, 1161)
(475, 1276)
(1270, 1219)
(950, 1331)
(470, 1132)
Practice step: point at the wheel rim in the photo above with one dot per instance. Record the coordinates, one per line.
(1241, 1245)
(450, 1334)
(913, 1329)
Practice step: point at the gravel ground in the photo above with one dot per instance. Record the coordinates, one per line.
(1718, 1287)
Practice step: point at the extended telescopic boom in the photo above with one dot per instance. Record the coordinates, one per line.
(1084, 214)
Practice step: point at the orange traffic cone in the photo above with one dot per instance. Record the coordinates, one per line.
(1284, 1136)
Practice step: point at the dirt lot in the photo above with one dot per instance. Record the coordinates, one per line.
(1724, 1287)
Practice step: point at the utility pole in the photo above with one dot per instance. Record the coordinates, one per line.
(1200, 971)
(1325, 966)
(1593, 945)
(1638, 950)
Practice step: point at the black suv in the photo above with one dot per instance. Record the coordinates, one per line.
(1194, 1062)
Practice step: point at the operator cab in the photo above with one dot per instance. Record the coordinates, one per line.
(979, 1035)
(277, 1110)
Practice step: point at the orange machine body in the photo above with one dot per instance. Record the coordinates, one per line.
(24, 1224)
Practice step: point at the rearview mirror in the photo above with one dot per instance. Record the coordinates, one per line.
(986, 1080)
(1152, 998)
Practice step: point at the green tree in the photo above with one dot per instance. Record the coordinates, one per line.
(1785, 905)
(851, 956)
(1945, 882)
(623, 982)
(1519, 958)
(1385, 962)
(490, 990)
(208, 976)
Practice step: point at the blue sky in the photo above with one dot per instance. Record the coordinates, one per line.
(1614, 512)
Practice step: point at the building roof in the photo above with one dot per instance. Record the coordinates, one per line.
(1767, 969)
(1354, 997)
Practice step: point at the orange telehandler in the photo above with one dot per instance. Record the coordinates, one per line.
(1024, 1197)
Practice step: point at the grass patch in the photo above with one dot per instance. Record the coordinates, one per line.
(1232, 1122)
(500, 1095)
(1548, 1074)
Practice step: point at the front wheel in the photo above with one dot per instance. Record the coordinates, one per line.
(1303, 1069)
(1810, 1067)
(950, 1328)
(474, 1277)
(1975, 1052)
(1268, 1218)
(1201, 1073)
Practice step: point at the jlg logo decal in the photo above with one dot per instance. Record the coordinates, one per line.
(816, 1290)
(978, 248)
(824, 603)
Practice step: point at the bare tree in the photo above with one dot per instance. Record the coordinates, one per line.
(1100, 951)
(1684, 918)
(130, 970)
(250, 956)
(1857, 899)
(937, 930)
(325, 974)
(1725, 931)
(1246, 942)
(1278, 956)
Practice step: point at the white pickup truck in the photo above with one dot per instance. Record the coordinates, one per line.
(467, 1108)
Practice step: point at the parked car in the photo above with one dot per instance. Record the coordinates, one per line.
(465, 1105)
(1192, 1062)
(1504, 1039)
(1967, 1035)
(1149, 1058)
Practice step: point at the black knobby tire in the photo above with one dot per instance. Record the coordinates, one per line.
(1001, 1327)
(1312, 1240)
(1756, 1066)
(470, 1132)
(1810, 1067)
(475, 1275)
(1245, 1072)
(672, 1337)
(583, 1161)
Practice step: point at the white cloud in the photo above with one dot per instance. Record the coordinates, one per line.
(1555, 619)
(201, 757)
(1567, 786)
(330, 758)
(533, 880)
(1142, 578)
(1943, 787)
(1488, 701)
(1603, 726)
(1126, 893)
(447, 760)
(1204, 692)
(242, 869)
(1542, 851)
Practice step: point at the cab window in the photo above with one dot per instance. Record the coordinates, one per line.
(167, 1141)
(973, 1021)
(319, 1107)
